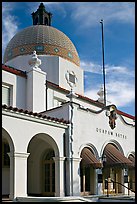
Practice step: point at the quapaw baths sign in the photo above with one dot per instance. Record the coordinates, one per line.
(111, 133)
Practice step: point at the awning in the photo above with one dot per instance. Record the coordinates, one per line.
(88, 158)
(132, 159)
(115, 158)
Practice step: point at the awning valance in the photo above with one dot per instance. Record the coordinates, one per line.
(88, 158)
(115, 158)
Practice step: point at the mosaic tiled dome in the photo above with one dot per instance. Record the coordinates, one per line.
(46, 40)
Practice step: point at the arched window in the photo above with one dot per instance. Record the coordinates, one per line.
(46, 21)
(36, 21)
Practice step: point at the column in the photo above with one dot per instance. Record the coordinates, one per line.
(59, 176)
(126, 181)
(93, 180)
(116, 183)
(18, 174)
(76, 176)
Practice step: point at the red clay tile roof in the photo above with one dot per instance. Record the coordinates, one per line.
(97, 103)
(14, 71)
(35, 114)
(126, 114)
(80, 96)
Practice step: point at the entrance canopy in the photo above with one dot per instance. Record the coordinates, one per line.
(88, 159)
(115, 158)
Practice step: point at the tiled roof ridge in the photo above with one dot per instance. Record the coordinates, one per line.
(61, 120)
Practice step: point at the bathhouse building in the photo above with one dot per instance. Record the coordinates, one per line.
(56, 141)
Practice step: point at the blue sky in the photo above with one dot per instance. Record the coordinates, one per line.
(80, 21)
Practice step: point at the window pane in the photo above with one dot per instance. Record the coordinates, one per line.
(5, 95)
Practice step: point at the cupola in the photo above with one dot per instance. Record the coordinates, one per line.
(41, 16)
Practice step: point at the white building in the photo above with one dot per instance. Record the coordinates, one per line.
(56, 141)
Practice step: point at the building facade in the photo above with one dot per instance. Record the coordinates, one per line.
(56, 141)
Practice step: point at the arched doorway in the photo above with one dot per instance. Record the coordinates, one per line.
(41, 166)
(88, 166)
(113, 169)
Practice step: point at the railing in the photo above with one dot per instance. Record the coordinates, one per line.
(116, 182)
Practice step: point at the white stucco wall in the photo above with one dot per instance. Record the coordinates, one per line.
(36, 90)
(94, 128)
(49, 64)
(29, 127)
(19, 62)
(59, 112)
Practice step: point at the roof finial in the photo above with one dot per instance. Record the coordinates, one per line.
(101, 94)
(34, 61)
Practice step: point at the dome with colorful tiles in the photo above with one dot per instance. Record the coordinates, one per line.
(46, 40)
(43, 38)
